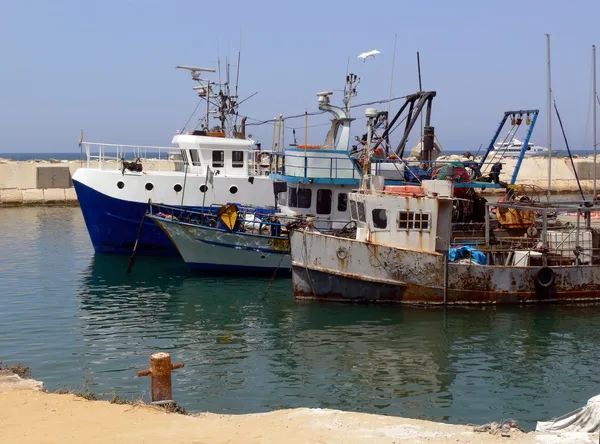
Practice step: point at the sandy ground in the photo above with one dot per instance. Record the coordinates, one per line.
(28, 415)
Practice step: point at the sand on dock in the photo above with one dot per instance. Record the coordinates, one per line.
(28, 415)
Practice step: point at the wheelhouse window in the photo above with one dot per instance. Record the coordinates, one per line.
(304, 197)
(324, 201)
(342, 202)
(237, 159)
(292, 197)
(353, 210)
(379, 216)
(422, 221)
(195, 157)
(282, 198)
(218, 159)
(360, 206)
(184, 157)
(410, 220)
(405, 220)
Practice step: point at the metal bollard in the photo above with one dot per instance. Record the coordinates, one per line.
(160, 373)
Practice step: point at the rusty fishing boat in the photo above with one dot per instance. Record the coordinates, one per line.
(405, 249)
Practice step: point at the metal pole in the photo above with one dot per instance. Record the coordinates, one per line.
(205, 189)
(207, 106)
(577, 237)
(184, 183)
(487, 225)
(595, 109)
(446, 279)
(545, 237)
(549, 109)
(392, 77)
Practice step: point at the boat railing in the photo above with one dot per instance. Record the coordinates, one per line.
(259, 162)
(110, 156)
(339, 166)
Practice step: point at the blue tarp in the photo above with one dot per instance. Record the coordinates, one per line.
(467, 252)
(415, 174)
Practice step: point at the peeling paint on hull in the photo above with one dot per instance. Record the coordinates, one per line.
(337, 269)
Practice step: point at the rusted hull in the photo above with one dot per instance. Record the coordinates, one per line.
(337, 269)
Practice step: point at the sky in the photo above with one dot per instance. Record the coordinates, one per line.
(108, 67)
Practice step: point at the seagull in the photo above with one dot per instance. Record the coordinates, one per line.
(372, 53)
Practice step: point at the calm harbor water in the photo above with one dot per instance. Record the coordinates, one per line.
(70, 315)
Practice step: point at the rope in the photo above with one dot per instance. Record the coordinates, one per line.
(316, 113)
(273, 277)
(569, 151)
(192, 115)
(305, 259)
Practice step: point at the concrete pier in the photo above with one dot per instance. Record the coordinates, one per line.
(37, 182)
(42, 182)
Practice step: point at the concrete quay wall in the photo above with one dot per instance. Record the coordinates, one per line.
(35, 182)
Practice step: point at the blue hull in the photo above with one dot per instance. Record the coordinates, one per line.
(113, 225)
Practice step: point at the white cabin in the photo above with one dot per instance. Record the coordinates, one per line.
(225, 156)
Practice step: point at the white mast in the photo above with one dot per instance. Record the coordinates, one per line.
(549, 120)
(595, 109)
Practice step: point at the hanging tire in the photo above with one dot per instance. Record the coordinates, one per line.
(545, 283)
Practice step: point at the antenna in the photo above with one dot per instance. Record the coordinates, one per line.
(237, 76)
(194, 68)
(352, 81)
(392, 77)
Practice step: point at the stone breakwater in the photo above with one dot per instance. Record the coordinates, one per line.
(37, 182)
(41, 182)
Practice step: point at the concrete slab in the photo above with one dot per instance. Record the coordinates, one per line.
(33, 196)
(11, 197)
(54, 195)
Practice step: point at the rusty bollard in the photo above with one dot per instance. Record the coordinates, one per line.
(160, 375)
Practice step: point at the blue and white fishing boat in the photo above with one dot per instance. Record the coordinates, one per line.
(316, 179)
(115, 185)
(231, 237)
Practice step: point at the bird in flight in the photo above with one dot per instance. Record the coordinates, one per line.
(372, 53)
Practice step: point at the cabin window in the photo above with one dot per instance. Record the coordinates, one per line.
(324, 201)
(304, 197)
(405, 220)
(409, 220)
(342, 203)
(237, 159)
(195, 157)
(353, 211)
(379, 216)
(218, 159)
(422, 221)
(293, 197)
(360, 206)
(184, 157)
(282, 198)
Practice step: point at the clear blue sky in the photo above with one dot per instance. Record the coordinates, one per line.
(108, 66)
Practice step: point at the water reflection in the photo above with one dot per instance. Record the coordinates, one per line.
(244, 354)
